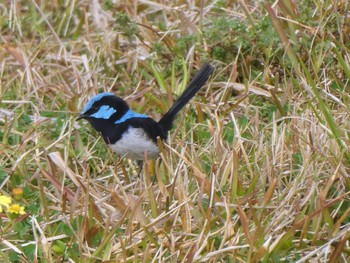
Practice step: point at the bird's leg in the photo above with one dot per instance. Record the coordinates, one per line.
(140, 165)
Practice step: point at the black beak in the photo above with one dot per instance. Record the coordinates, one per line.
(81, 116)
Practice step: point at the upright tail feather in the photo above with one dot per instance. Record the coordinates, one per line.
(193, 87)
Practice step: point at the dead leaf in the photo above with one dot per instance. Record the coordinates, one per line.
(239, 88)
(18, 54)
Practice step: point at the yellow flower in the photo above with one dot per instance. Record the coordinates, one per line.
(16, 209)
(4, 201)
(17, 193)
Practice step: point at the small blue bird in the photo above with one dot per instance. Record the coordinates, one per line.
(132, 134)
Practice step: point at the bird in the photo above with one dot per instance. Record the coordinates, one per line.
(131, 134)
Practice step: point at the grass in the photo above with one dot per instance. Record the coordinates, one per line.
(257, 167)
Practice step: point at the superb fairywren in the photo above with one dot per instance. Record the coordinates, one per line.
(133, 134)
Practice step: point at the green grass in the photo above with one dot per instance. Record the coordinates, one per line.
(257, 166)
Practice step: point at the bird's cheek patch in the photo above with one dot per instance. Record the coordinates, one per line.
(104, 112)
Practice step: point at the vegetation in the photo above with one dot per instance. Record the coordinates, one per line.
(257, 167)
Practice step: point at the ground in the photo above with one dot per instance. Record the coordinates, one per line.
(257, 165)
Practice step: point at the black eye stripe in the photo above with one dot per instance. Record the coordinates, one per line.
(106, 101)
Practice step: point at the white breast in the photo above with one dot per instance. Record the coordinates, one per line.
(134, 143)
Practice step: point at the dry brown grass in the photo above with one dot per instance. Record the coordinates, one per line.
(258, 164)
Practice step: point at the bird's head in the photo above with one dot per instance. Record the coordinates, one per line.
(104, 108)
